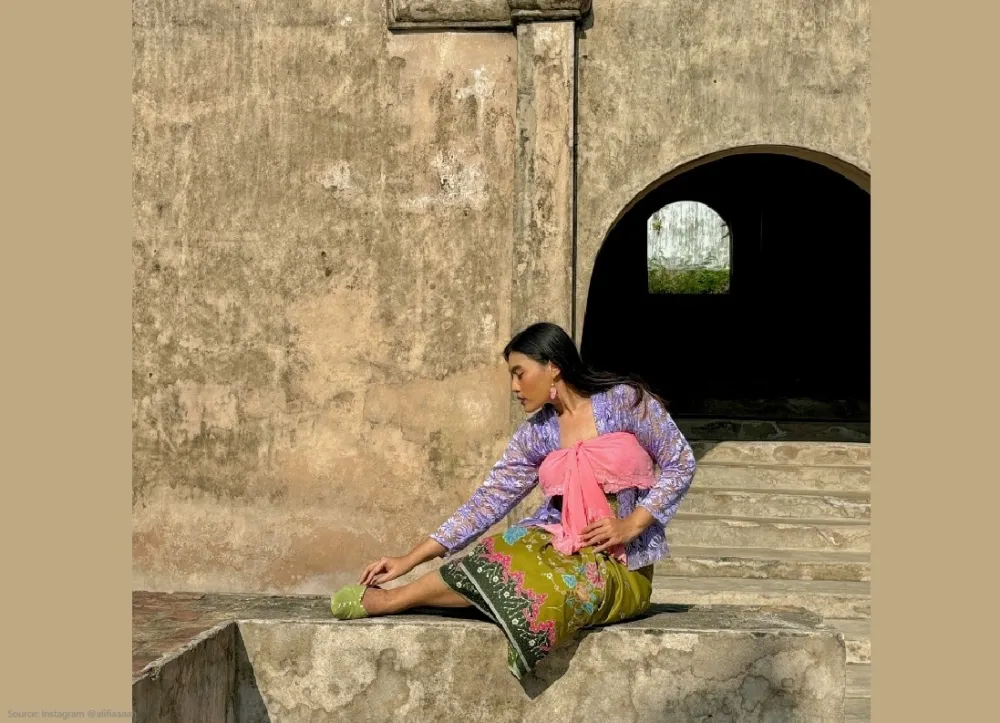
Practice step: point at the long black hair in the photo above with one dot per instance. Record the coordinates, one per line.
(546, 342)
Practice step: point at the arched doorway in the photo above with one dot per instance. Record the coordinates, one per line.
(740, 288)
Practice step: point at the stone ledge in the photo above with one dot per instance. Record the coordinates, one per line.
(542, 10)
(284, 659)
(480, 14)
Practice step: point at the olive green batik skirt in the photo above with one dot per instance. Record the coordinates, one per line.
(539, 596)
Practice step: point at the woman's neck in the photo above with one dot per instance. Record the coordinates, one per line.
(568, 402)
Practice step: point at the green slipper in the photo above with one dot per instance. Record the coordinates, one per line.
(346, 603)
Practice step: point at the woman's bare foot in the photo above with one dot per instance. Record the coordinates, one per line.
(429, 590)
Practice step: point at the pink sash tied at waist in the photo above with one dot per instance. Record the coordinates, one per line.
(583, 474)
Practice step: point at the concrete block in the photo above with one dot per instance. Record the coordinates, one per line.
(677, 663)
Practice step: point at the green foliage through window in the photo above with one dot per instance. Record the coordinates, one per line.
(688, 250)
(663, 280)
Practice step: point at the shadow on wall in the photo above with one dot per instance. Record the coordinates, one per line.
(789, 340)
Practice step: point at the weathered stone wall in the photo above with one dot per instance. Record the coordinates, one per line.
(322, 252)
(663, 84)
(325, 237)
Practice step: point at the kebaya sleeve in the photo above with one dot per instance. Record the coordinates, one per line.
(508, 482)
(658, 434)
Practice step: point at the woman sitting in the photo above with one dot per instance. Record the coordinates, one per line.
(585, 556)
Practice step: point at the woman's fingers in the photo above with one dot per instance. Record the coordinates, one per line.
(595, 532)
(603, 539)
(605, 545)
(371, 571)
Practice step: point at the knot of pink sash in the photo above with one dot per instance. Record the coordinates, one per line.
(583, 474)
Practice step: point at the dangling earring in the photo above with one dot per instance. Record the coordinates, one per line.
(552, 392)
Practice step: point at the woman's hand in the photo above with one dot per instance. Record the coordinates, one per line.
(385, 569)
(608, 532)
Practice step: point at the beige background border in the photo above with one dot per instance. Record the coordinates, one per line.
(66, 362)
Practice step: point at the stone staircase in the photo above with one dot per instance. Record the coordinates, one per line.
(779, 523)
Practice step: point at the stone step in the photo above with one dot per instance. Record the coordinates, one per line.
(801, 504)
(838, 600)
(689, 529)
(854, 479)
(858, 636)
(814, 454)
(857, 710)
(700, 428)
(757, 564)
(859, 681)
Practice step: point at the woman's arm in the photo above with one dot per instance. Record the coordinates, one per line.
(427, 549)
(658, 434)
(508, 482)
(389, 568)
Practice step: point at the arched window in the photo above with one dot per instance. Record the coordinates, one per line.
(688, 250)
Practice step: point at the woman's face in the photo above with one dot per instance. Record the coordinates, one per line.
(529, 380)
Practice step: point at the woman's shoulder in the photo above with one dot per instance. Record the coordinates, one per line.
(628, 402)
(614, 404)
(621, 394)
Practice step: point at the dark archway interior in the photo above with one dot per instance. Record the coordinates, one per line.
(791, 338)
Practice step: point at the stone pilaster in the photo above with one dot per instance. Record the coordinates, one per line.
(543, 175)
(542, 282)
(542, 266)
